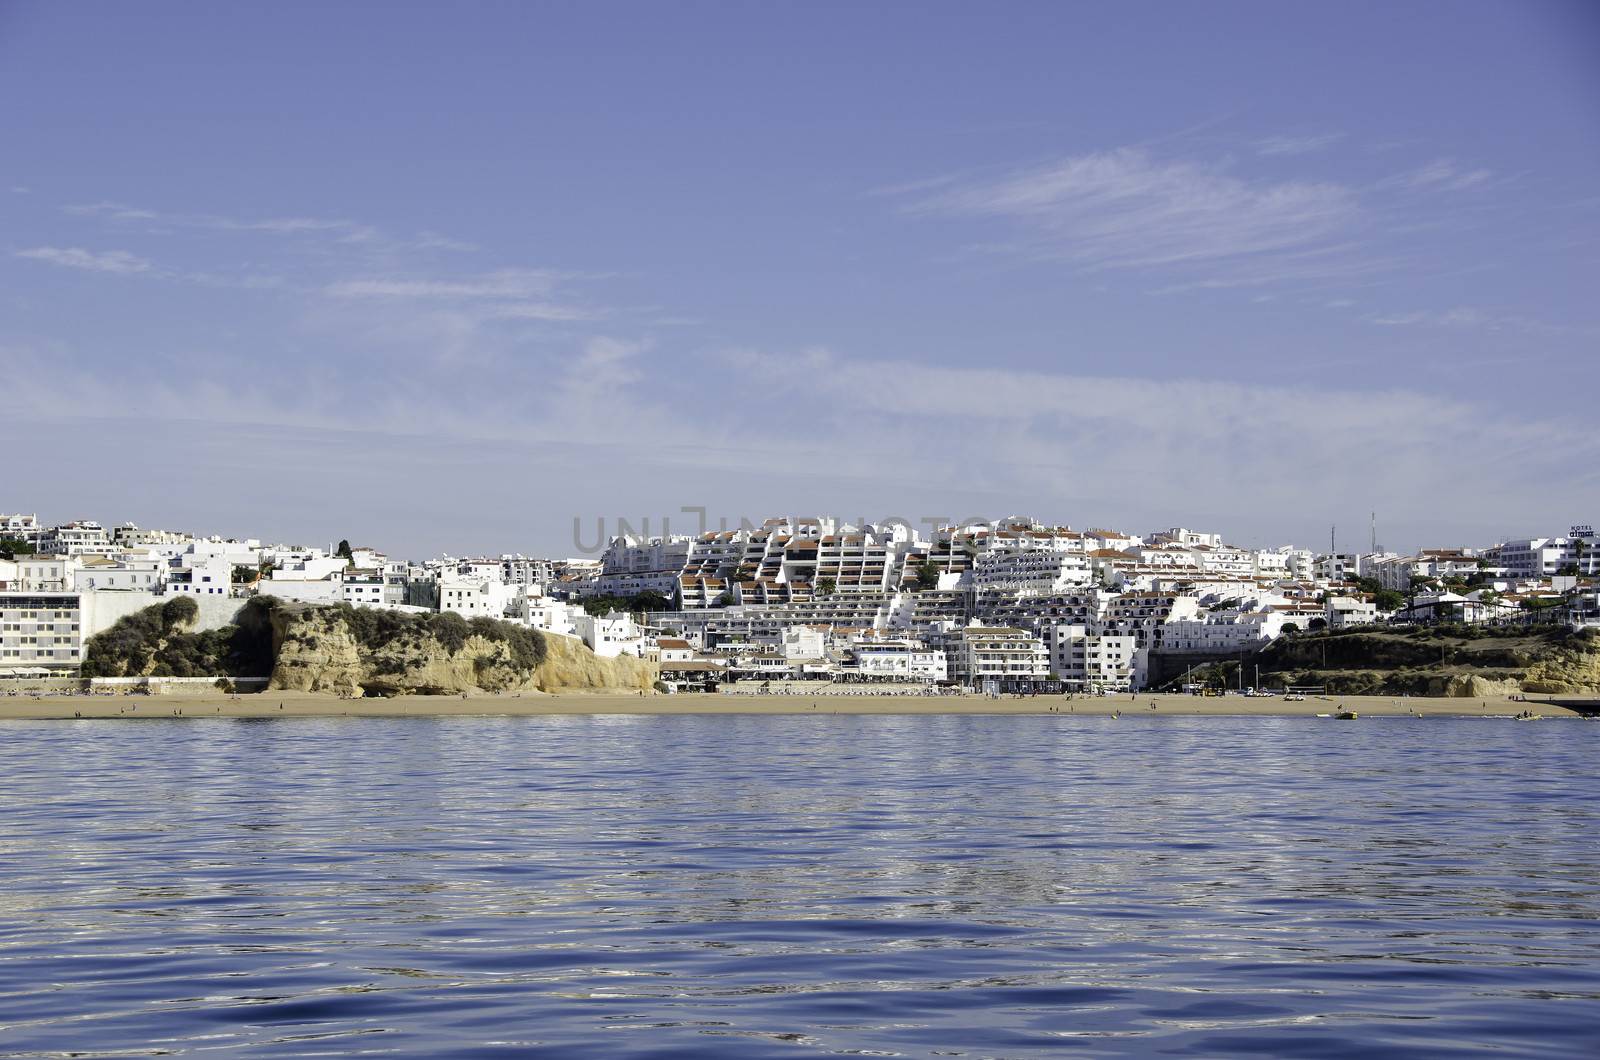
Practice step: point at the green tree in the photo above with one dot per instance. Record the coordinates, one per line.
(826, 586)
(649, 600)
(15, 546)
(345, 551)
(1388, 600)
(927, 574)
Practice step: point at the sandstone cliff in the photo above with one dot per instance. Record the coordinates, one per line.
(1572, 667)
(330, 649)
(1435, 662)
(569, 665)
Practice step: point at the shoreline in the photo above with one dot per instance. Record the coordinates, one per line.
(304, 704)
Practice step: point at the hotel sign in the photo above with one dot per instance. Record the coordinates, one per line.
(1583, 531)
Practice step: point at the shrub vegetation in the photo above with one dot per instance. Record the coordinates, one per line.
(158, 641)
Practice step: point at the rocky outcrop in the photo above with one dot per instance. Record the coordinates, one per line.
(1433, 662)
(1572, 667)
(569, 665)
(319, 649)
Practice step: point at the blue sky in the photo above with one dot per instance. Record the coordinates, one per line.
(451, 277)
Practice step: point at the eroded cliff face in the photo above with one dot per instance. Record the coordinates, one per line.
(569, 665)
(1573, 667)
(1551, 660)
(316, 652)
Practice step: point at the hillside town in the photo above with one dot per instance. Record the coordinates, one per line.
(1012, 605)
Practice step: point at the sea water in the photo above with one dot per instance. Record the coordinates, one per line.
(709, 886)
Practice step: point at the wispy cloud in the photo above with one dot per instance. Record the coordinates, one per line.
(1442, 175)
(120, 212)
(504, 283)
(1460, 317)
(114, 211)
(1075, 435)
(1472, 317)
(604, 368)
(1124, 209)
(435, 241)
(506, 294)
(1296, 145)
(125, 263)
(113, 261)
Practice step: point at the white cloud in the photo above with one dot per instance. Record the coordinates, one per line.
(1199, 445)
(505, 295)
(1462, 316)
(1481, 319)
(1443, 175)
(113, 261)
(1296, 145)
(537, 311)
(344, 230)
(606, 421)
(504, 284)
(435, 241)
(115, 211)
(605, 367)
(1123, 209)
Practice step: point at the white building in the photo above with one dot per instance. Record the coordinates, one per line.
(1287, 562)
(1031, 571)
(128, 535)
(1337, 567)
(1225, 632)
(76, 538)
(1178, 535)
(1541, 557)
(1000, 658)
(547, 613)
(363, 587)
(40, 631)
(477, 599)
(133, 569)
(204, 575)
(1081, 659)
(1350, 611)
(611, 635)
(898, 660)
(675, 649)
(44, 573)
(305, 566)
(19, 527)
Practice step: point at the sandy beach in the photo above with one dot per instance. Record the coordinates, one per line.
(299, 704)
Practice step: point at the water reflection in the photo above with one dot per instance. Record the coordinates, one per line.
(739, 886)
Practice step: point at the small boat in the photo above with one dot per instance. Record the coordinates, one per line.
(1347, 715)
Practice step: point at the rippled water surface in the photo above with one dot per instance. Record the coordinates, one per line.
(784, 886)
